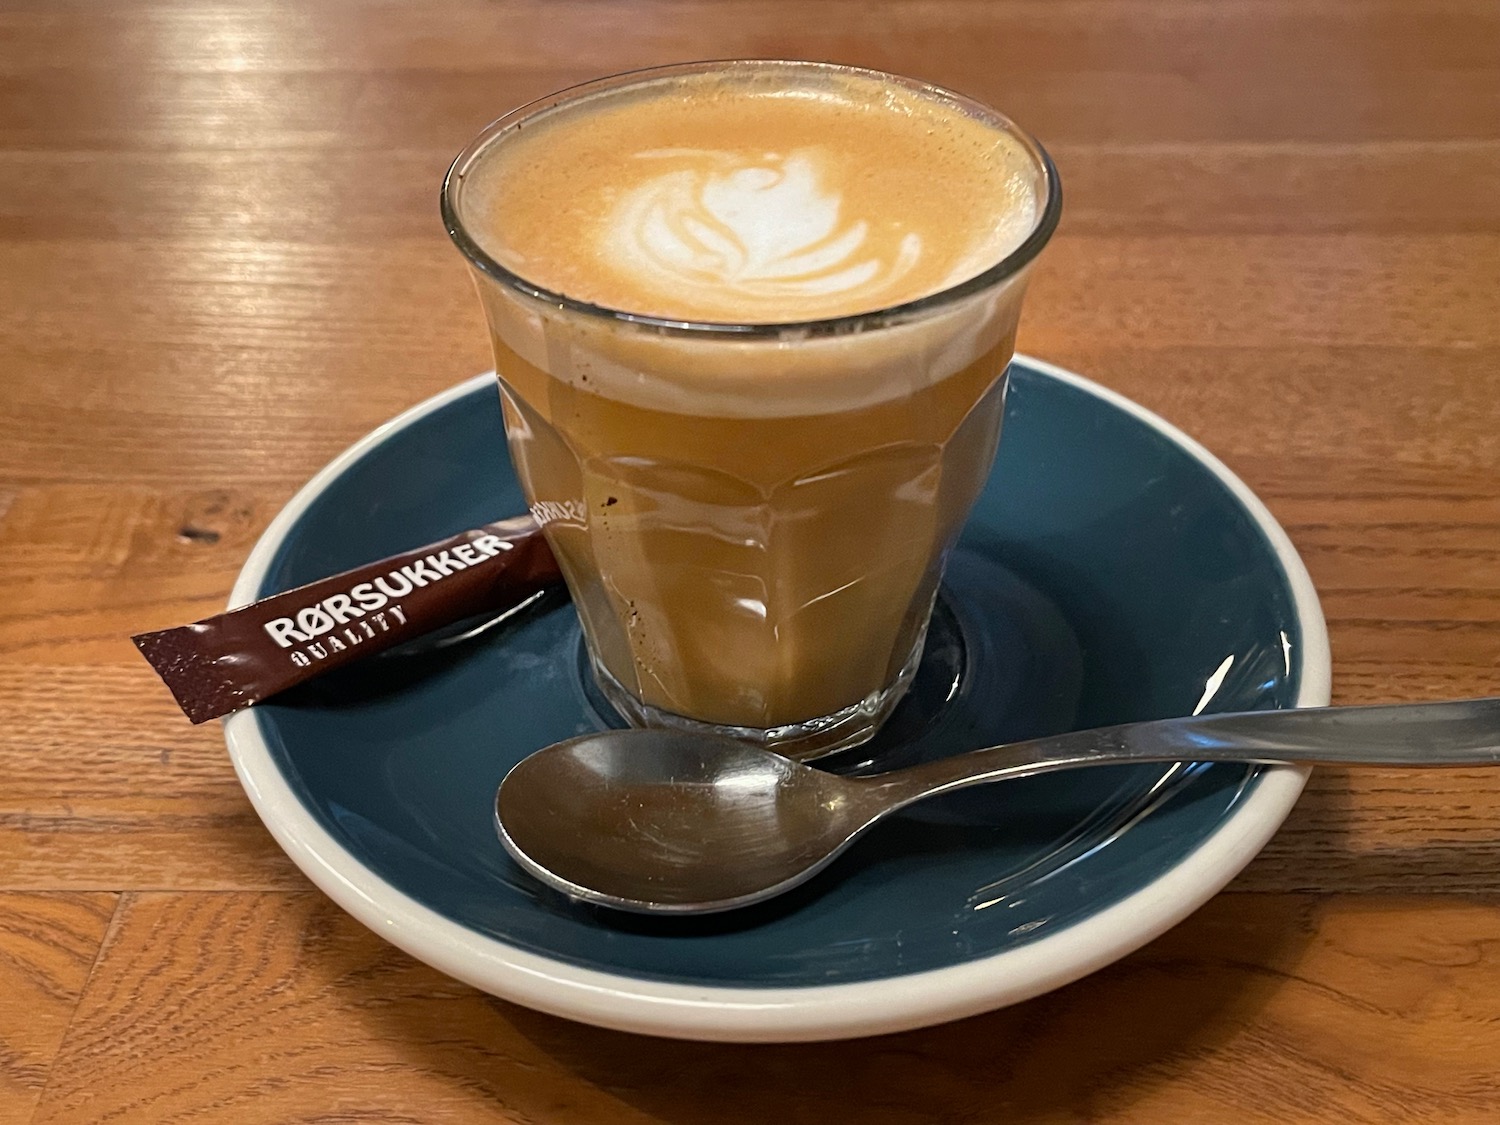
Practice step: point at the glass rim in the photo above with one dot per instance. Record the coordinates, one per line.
(1007, 267)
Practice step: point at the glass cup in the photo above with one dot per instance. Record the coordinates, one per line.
(756, 564)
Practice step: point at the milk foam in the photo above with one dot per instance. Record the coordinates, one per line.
(755, 225)
(766, 194)
(734, 198)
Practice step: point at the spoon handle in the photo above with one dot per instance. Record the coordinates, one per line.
(1459, 733)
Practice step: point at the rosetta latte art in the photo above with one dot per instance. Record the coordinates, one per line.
(753, 225)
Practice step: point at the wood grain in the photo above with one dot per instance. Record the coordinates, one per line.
(1261, 1008)
(281, 361)
(220, 263)
(48, 943)
(1112, 187)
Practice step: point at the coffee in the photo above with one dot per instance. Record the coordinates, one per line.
(740, 197)
(752, 510)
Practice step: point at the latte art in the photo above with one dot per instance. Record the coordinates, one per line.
(735, 199)
(757, 225)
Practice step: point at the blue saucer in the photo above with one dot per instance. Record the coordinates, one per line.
(1113, 570)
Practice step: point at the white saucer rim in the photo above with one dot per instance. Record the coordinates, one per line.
(847, 1010)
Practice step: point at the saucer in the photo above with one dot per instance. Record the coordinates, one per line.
(1113, 570)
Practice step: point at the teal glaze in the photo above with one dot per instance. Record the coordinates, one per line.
(1106, 576)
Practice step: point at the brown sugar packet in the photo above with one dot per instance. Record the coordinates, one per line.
(229, 661)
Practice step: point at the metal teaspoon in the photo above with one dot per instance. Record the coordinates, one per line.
(658, 821)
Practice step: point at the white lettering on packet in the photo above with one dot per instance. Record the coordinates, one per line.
(761, 226)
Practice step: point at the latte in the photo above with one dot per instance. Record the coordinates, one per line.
(739, 197)
(751, 498)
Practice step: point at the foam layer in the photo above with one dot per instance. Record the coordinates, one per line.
(753, 198)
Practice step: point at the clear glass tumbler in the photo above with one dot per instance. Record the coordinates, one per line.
(762, 565)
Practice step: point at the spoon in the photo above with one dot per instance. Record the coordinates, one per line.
(660, 821)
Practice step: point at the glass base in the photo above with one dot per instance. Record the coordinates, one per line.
(812, 738)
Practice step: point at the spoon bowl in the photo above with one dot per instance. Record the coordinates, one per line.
(706, 822)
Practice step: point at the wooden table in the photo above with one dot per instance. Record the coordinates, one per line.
(220, 262)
